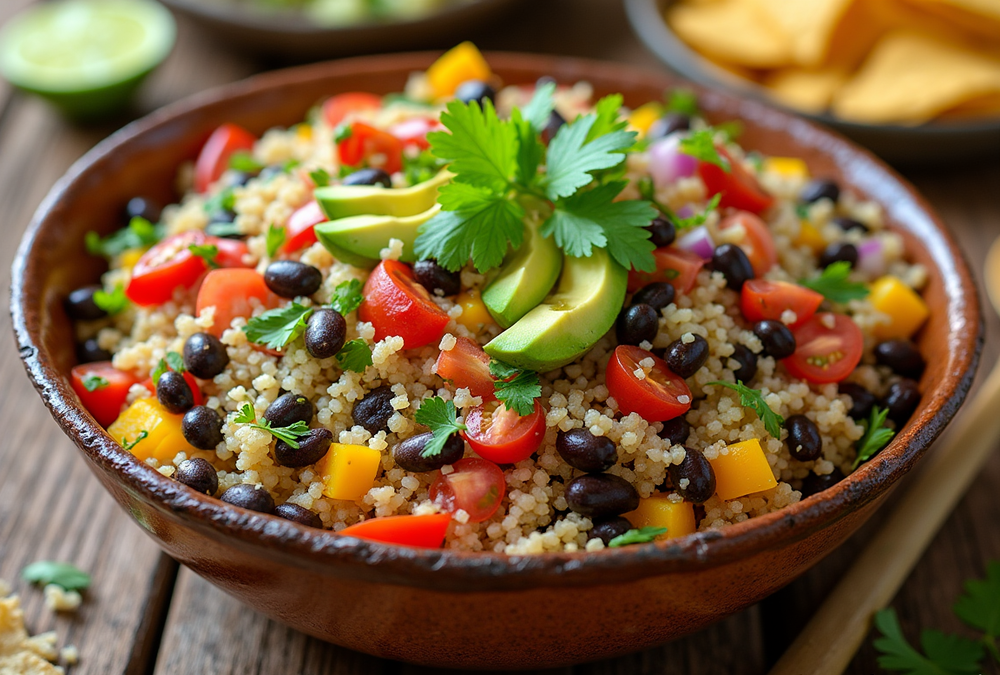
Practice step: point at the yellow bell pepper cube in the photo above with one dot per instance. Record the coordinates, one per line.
(458, 65)
(744, 470)
(658, 511)
(348, 471)
(905, 308)
(642, 118)
(163, 437)
(474, 313)
(130, 257)
(788, 167)
(810, 237)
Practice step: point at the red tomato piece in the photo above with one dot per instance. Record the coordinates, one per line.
(338, 107)
(467, 365)
(762, 299)
(232, 252)
(164, 267)
(191, 381)
(504, 436)
(213, 160)
(299, 230)
(395, 304)
(424, 531)
(825, 354)
(230, 292)
(366, 144)
(106, 400)
(475, 486)
(660, 396)
(414, 131)
(756, 240)
(677, 267)
(738, 188)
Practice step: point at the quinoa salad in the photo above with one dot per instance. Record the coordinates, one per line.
(504, 317)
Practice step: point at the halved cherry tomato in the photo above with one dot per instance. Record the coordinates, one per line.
(232, 252)
(164, 267)
(414, 131)
(677, 267)
(762, 299)
(299, 230)
(395, 304)
(107, 398)
(230, 291)
(738, 189)
(199, 399)
(336, 108)
(467, 365)
(474, 485)
(425, 531)
(372, 146)
(503, 436)
(755, 240)
(213, 160)
(660, 396)
(824, 354)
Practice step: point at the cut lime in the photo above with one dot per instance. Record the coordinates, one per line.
(85, 56)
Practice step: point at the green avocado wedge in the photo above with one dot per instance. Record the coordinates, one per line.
(569, 321)
(344, 201)
(357, 240)
(524, 278)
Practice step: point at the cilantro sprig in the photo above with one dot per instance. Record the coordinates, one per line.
(834, 286)
(442, 419)
(698, 218)
(752, 398)
(701, 145)
(356, 355)
(979, 607)
(45, 572)
(94, 382)
(114, 302)
(274, 239)
(320, 177)
(945, 654)
(140, 233)
(244, 162)
(172, 361)
(347, 296)
(207, 252)
(643, 535)
(876, 437)
(128, 445)
(289, 434)
(516, 389)
(682, 100)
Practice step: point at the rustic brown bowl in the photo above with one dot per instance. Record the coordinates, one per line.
(438, 607)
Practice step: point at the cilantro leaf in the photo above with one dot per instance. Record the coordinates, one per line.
(752, 398)
(642, 535)
(980, 605)
(731, 130)
(946, 655)
(503, 371)
(701, 145)
(140, 233)
(93, 382)
(540, 107)
(480, 148)
(516, 389)
(529, 148)
(876, 437)
(223, 200)
(698, 218)
(289, 434)
(347, 296)
(421, 167)
(833, 284)
(607, 110)
(442, 418)
(161, 368)
(571, 158)
(682, 100)
(244, 162)
(320, 177)
(342, 133)
(206, 252)
(176, 362)
(275, 328)
(128, 445)
(46, 572)
(648, 192)
(114, 302)
(275, 238)
(356, 355)
(246, 415)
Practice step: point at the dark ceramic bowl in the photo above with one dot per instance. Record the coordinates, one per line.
(903, 145)
(427, 606)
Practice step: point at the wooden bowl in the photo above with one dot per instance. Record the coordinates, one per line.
(461, 609)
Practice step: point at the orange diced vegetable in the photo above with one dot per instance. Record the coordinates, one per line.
(163, 439)
(642, 118)
(348, 471)
(905, 308)
(425, 531)
(788, 167)
(474, 313)
(742, 471)
(658, 511)
(810, 237)
(458, 65)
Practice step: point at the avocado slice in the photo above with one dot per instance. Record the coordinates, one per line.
(525, 278)
(344, 201)
(569, 321)
(358, 239)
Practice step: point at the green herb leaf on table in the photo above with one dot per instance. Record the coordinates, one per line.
(682, 100)
(876, 436)
(698, 218)
(572, 158)
(442, 419)
(289, 434)
(643, 535)
(752, 398)
(45, 572)
(516, 389)
(834, 286)
(206, 252)
(347, 296)
(355, 356)
(94, 382)
(701, 145)
(244, 162)
(320, 177)
(979, 607)
(539, 109)
(114, 302)
(945, 654)
(128, 445)
(276, 328)
(275, 238)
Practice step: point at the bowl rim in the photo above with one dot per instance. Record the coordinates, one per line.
(461, 570)
(648, 22)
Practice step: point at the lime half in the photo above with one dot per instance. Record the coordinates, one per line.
(85, 56)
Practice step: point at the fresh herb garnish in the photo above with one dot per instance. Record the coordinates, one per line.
(275, 328)
(94, 382)
(342, 133)
(206, 252)
(289, 435)
(698, 218)
(128, 445)
(516, 389)
(643, 535)
(682, 100)
(320, 177)
(347, 296)
(876, 437)
(172, 361)
(946, 654)
(701, 145)
(752, 398)
(244, 162)
(834, 286)
(648, 192)
(45, 572)
(979, 607)
(355, 355)
(140, 233)
(421, 167)
(275, 238)
(442, 419)
(540, 107)
(730, 130)
(802, 211)
(223, 200)
(114, 302)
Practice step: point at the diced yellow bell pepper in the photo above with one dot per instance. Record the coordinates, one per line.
(458, 65)
(810, 237)
(905, 308)
(474, 313)
(130, 257)
(303, 132)
(744, 470)
(658, 511)
(788, 167)
(348, 471)
(642, 118)
(163, 439)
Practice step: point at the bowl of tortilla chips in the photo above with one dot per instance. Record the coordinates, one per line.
(914, 80)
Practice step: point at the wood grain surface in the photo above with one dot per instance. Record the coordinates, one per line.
(144, 615)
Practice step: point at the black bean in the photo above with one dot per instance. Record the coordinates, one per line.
(292, 279)
(862, 400)
(668, 124)
(89, 351)
(173, 393)
(901, 400)
(636, 324)
(205, 356)
(80, 305)
(252, 497)
(814, 483)
(433, 277)
(734, 265)
(409, 453)
(552, 127)
(748, 363)
(676, 431)
(818, 189)
(312, 448)
(374, 410)
(657, 295)
(698, 473)
(839, 251)
(687, 358)
(288, 409)
(608, 529)
(583, 450)
(236, 178)
(777, 339)
(202, 427)
(297, 514)
(220, 217)
(140, 207)
(599, 495)
(804, 441)
(661, 231)
(848, 224)
(325, 333)
(198, 475)
(368, 177)
(902, 356)
(475, 90)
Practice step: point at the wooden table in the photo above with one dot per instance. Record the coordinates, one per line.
(145, 614)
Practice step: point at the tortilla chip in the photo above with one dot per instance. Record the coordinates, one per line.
(809, 24)
(981, 17)
(809, 90)
(731, 31)
(984, 106)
